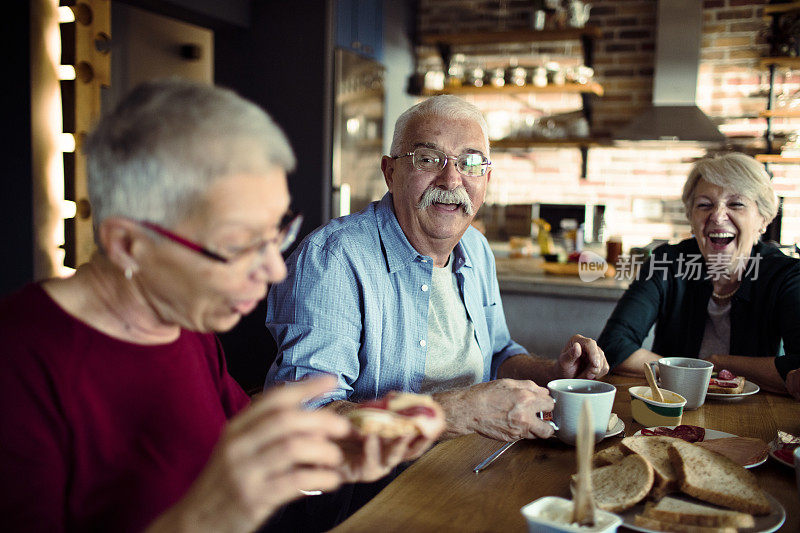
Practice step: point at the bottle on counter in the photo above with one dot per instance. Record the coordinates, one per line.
(613, 250)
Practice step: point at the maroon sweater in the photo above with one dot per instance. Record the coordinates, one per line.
(97, 434)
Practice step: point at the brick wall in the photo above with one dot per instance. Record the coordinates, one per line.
(633, 179)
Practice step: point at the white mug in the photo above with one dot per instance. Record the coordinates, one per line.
(569, 395)
(685, 375)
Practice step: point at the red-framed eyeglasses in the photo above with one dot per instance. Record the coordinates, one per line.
(287, 233)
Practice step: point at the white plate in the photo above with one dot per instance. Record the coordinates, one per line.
(749, 388)
(712, 434)
(618, 428)
(772, 446)
(764, 524)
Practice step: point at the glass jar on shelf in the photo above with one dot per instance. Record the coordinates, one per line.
(456, 71)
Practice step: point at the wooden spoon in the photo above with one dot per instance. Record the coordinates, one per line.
(583, 502)
(648, 373)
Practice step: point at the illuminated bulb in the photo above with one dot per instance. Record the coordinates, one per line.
(68, 209)
(66, 72)
(65, 14)
(353, 125)
(66, 142)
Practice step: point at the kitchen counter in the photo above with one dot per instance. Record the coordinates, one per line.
(527, 276)
(544, 310)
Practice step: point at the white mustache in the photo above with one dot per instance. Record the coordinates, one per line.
(435, 195)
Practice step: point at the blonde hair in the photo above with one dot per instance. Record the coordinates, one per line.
(736, 172)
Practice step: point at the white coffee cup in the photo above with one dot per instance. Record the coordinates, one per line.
(685, 375)
(569, 395)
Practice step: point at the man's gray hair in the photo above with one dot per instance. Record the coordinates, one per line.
(168, 141)
(443, 106)
(737, 172)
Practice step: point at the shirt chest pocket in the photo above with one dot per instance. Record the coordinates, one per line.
(483, 324)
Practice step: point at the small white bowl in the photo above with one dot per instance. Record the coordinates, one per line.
(551, 514)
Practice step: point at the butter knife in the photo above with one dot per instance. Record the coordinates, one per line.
(492, 458)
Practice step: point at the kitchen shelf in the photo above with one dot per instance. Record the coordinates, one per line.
(363, 144)
(780, 61)
(781, 8)
(776, 158)
(445, 43)
(501, 37)
(585, 88)
(544, 142)
(369, 95)
(780, 113)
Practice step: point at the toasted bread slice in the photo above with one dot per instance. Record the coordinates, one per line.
(622, 485)
(655, 450)
(674, 510)
(380, 422)
(399, 414)
(660, 525)
(610, 455)
(714, 387)
(714, 478)
(742, 450)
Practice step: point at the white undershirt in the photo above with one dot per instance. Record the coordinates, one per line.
(717, 336)
(453, 358)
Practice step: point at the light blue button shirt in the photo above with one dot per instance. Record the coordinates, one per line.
(355, 305)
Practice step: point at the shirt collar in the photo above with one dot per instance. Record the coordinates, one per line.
(757, 253)
(399, 252)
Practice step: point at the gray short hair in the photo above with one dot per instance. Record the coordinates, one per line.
(167, 141)
(444, 106)
(736, 172)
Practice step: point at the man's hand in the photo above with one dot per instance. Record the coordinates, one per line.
(504, 409)
(582, 358)
(793, 382)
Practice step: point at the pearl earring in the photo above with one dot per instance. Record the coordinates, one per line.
(128, 273)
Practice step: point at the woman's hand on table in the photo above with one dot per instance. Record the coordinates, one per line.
(503, 409)
(582, 358)
(265, 456)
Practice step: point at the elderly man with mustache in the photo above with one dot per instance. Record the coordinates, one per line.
(404, 294)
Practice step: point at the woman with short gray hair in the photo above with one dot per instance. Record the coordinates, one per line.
(116, 410)
(723, 295)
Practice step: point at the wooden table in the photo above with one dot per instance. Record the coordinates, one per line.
(441, 493)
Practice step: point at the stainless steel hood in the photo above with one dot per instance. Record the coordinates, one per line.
(674, 115)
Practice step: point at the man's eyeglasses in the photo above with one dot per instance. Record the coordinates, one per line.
(470, 164)
(287, 233)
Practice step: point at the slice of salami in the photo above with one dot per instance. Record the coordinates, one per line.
(689, 433)
(726, 374)
(724, 384)
(664, 431)
(417, 410)
(786, 453)
(684, 432)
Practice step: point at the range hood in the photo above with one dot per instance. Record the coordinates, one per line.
(674, 115)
